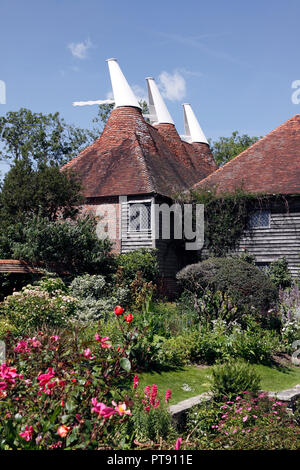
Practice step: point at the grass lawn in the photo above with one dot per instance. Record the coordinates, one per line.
(192, 380)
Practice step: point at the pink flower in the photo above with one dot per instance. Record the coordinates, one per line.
(178, 443)
(156, 404)
(45, 378)
(27, 433)
(102, 341)
(147, 390)
(88, 354)
(22, 347)
(3, 385)
(153, 394)
(102, 409)
(168, 395)
(35, 343)
(135, 382)
(121, 409)
(54, 338)
(245, 418)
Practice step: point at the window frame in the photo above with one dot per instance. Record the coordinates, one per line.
(143, 202)
(250, 224)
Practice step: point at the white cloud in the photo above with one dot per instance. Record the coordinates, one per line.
(172, 86)
(80, 49)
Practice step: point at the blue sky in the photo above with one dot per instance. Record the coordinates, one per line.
(234, 61)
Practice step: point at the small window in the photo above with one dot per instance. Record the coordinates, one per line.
(259, 219)
(139, 216)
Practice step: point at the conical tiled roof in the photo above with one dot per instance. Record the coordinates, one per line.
(133, 157)
(271, 165)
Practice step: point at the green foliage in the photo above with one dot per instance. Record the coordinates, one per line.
(226, 148)
(36, 306)
(60, 382)
(10, 282)
(46, 191)
(279, 273)
(233, 378)
(88, 286)
(219, 342)
(151, 419)
(248, 423)
(39, 138)
(6, 327)
(90, 309)
(96, 298)
(241, 285)
(226, 217)
(141, 261)
(68, 245)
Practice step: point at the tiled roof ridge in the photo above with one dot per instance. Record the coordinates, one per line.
(241, 155)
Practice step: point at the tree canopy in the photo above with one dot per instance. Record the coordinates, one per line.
(226, 148)
(40, 138)
(46, 191)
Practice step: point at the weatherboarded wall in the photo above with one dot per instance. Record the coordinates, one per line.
(280, 239)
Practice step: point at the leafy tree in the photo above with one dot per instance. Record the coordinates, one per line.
(68, 245)
(40, 138)
(46, 191)
(226, 148)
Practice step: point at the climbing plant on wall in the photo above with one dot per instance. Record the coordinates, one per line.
(225, 216)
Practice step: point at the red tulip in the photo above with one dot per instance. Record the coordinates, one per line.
(119, 310)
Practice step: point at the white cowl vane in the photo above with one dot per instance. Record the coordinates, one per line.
(158, 111)
(192, 129)
(123, 94)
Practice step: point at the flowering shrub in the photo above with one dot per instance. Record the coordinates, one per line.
(289, 309)
(57, 392)
(245, 422)
(35, 306)
(61, 390)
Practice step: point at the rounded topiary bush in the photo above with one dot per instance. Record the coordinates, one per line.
(236, 281)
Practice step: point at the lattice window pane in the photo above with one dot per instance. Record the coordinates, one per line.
(140, 216)
(259, 219)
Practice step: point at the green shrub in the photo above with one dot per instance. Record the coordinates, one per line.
(88, 286)
(176, 351)
(279, 273)
(6, 327)
(96, 298)
(241, 285)
(10, 282)
(70, 245)
(143, 261)
(232, 378)
(92, 310)
(35, 306)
